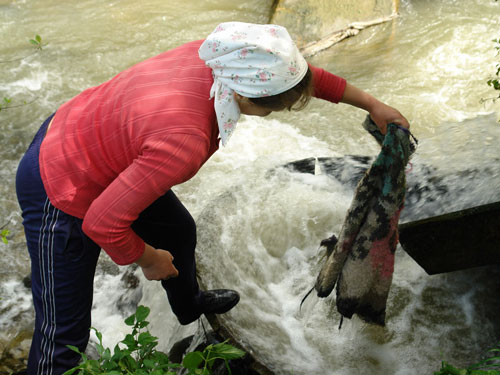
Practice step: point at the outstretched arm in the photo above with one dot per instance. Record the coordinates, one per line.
(335, 89)
(381, 113)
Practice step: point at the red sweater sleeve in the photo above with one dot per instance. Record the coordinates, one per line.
(163, 163)
(327, 86)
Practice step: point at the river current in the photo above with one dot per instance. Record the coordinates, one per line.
(259, 230)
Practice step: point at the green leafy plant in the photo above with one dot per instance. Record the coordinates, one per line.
(5, 103)
(488, 366)
(201, 363)
(494, 82)
(138, 355)
(37, 42)
(3, 235)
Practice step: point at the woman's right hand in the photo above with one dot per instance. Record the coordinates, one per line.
(157, 264)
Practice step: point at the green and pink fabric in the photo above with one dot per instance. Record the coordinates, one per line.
(361, 262)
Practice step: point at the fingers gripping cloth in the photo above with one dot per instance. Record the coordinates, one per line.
(361, 262)
(252, 60)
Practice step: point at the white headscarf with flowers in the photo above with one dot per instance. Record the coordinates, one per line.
(252, 60)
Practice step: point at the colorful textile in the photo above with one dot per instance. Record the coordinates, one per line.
(361, 262)
(252, 60)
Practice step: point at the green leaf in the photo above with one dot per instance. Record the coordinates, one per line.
(160, 357)
(128, 363)
(142, 313)
(70, 371)
(146, 338)
(38, 38)
(192, 360)
(118, 353)
(94, 365)
(130, 320)
(110, 366)
(74, 348)
(106, 355)
(98, 334)
(447, 369)
(129, 340)
(142, 324)
(149, 363)
(226, 351)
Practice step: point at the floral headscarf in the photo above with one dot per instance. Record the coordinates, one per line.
(252, 60)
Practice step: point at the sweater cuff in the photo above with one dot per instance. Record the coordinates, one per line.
(130, 256)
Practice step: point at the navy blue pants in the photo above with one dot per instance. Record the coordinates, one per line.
(63, 262)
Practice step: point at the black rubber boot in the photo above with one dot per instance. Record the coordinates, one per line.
(216, 301)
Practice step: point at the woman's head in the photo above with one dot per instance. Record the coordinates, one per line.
(295, 98)
(254, 65)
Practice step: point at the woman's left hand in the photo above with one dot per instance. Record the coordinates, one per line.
(382, 114)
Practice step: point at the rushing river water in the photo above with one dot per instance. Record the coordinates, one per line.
(259, 231)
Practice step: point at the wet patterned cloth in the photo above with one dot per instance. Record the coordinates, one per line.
(252, 60)
(361, 262)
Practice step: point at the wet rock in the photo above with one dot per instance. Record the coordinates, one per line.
(129, 280)
(27, 281)
(107, 266)
(91, 350)
(14, 357)
(179, 349)
(129, 300)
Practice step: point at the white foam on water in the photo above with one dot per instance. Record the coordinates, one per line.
(16, 306)
(106, 317)
(34, 77)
